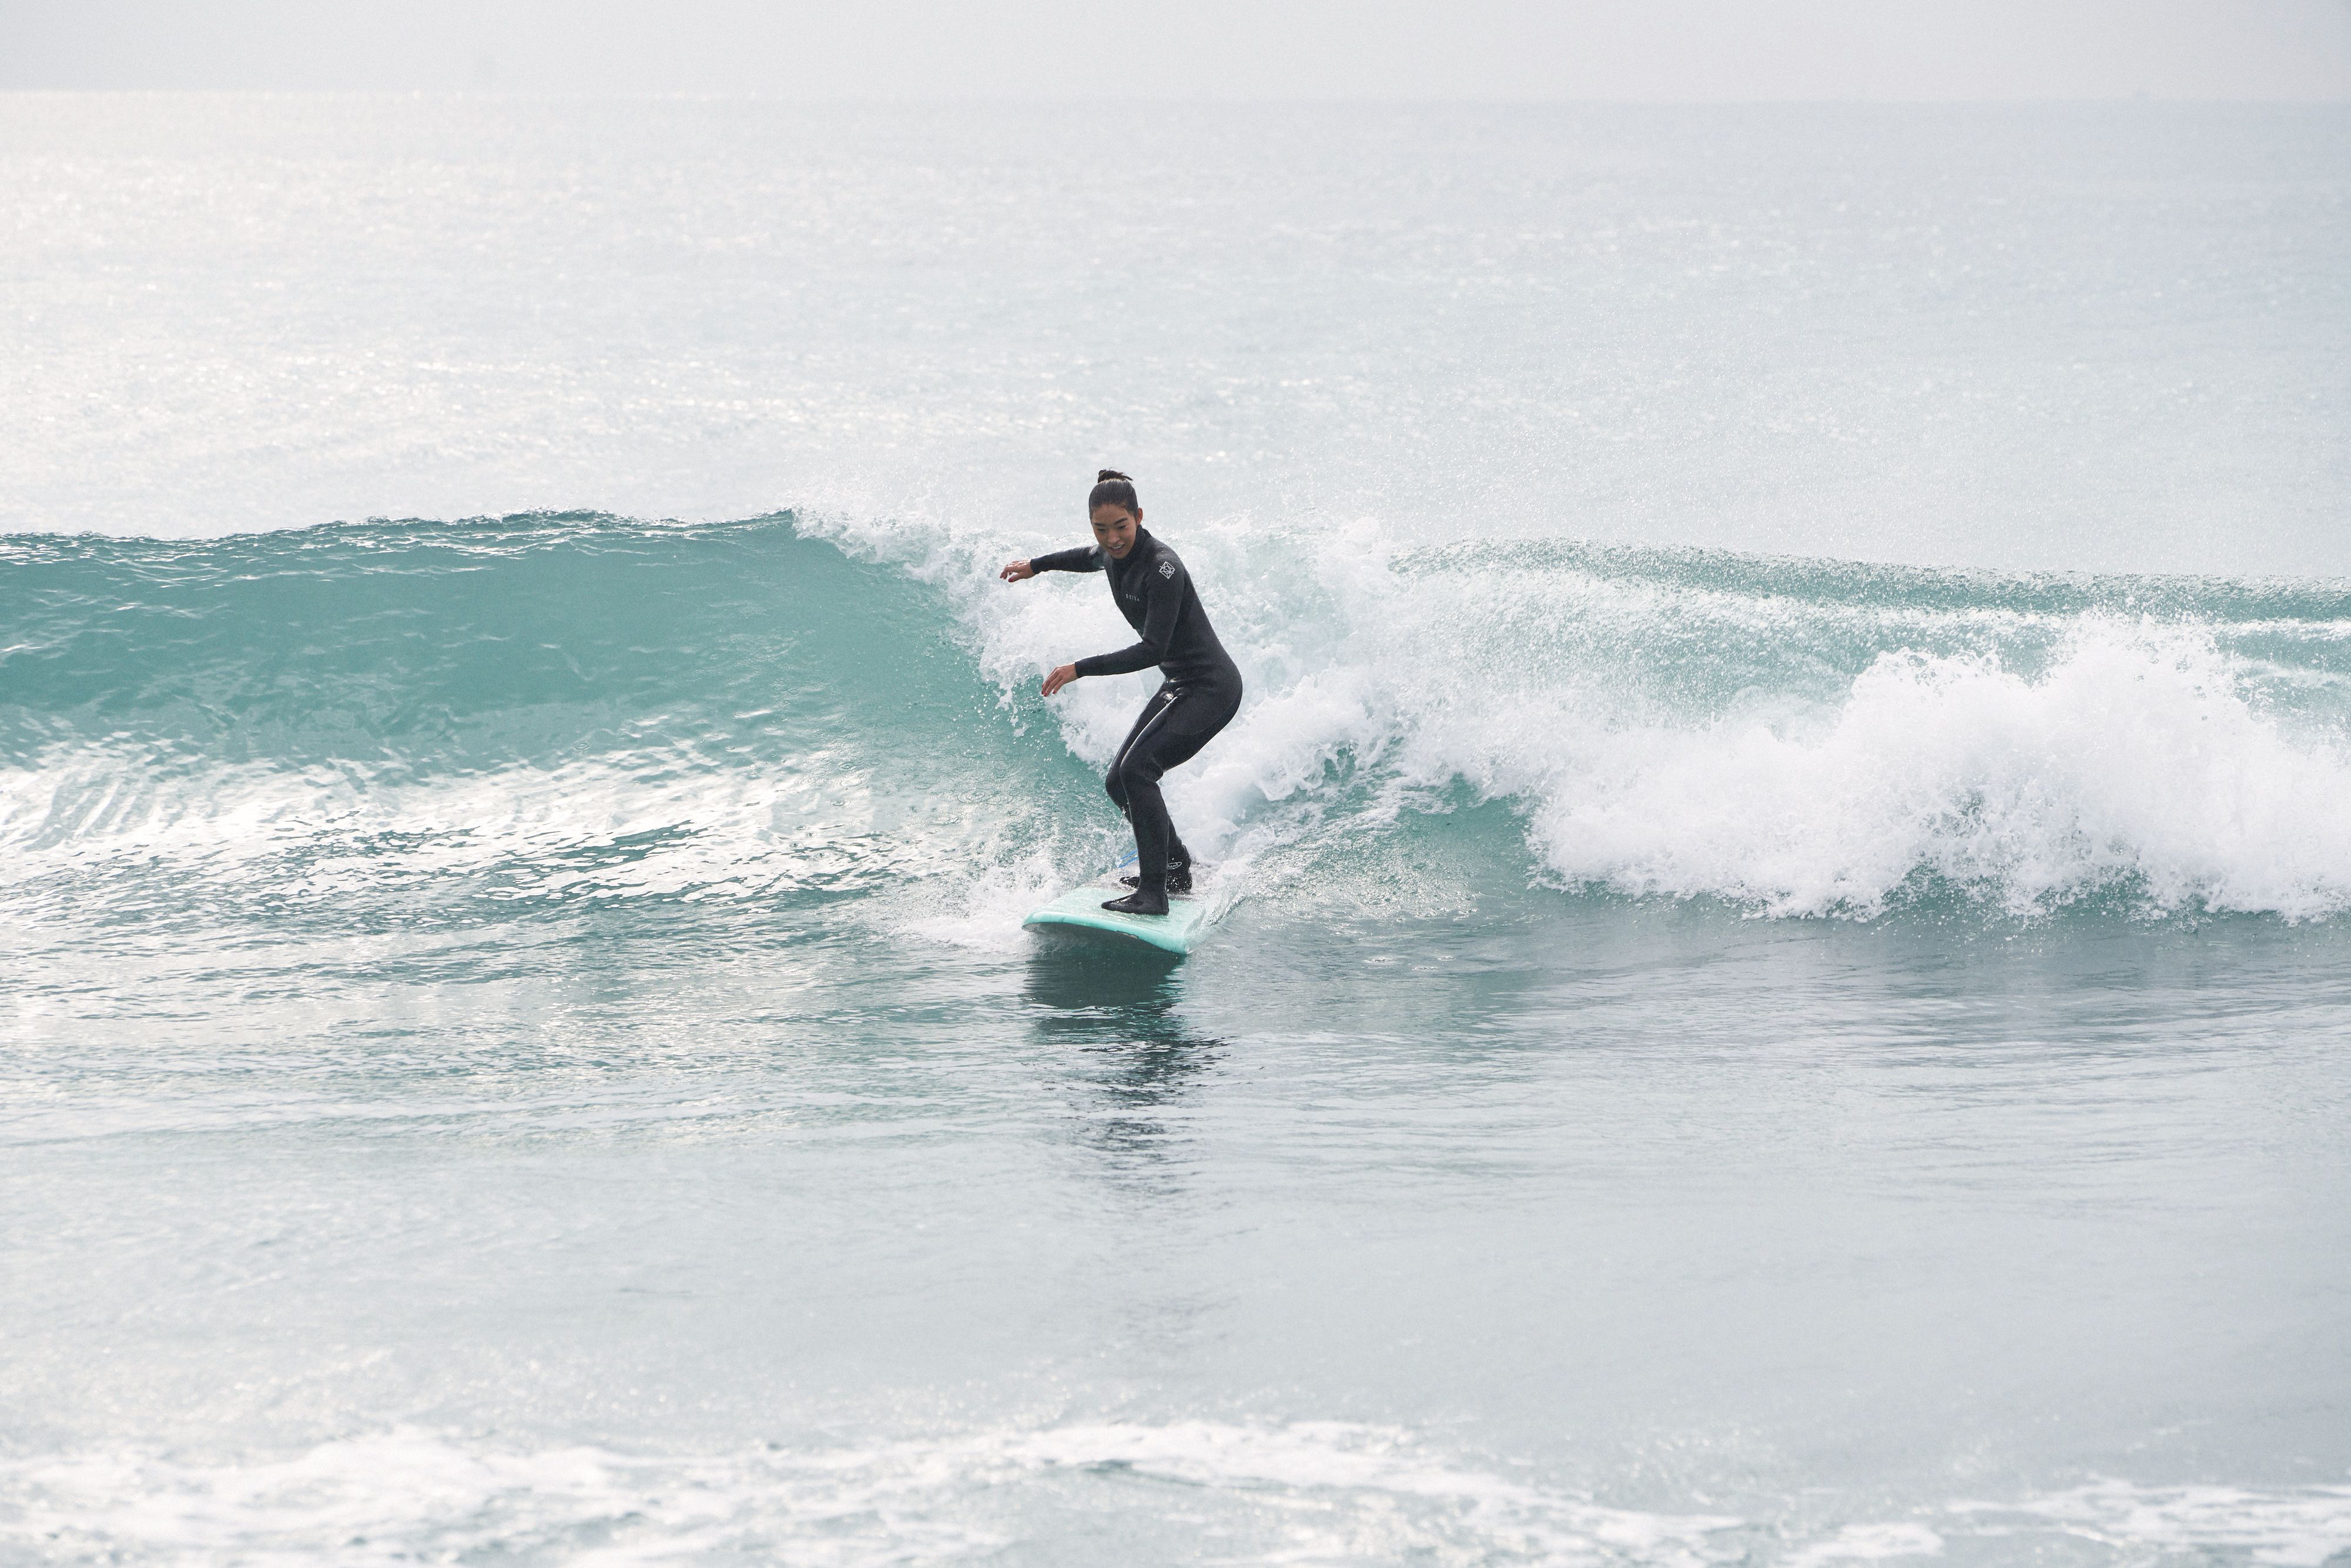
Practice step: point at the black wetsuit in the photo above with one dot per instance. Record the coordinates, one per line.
(1202, 693)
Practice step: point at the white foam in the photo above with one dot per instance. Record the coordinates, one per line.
(2135, 762)
(393, 1497)
(2288, 1529)
(1869, 1543)
(1229, 1491)
(1299, 1492)
(2031, 760)
(1311, 1492)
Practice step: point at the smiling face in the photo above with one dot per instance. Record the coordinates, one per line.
(1114, 528)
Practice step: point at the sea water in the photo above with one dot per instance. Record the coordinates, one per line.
(1794, 812)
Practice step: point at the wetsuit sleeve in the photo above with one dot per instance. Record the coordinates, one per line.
(1085, 558)
(1163, 599)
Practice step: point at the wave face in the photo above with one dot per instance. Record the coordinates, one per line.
(549, 708)
(539, 708)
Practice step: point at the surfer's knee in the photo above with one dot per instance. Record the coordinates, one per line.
(1132, 773)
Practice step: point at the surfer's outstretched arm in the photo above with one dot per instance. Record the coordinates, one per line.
(1085, 558)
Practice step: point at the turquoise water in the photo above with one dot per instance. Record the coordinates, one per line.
(1792, 825)
(523, 1045)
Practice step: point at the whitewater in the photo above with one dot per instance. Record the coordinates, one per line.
(1793, 817)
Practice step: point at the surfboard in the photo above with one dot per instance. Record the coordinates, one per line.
(1188, 917)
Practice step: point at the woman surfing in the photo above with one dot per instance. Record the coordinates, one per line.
(1199, 696)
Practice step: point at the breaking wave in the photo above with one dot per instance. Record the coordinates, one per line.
(547, 708)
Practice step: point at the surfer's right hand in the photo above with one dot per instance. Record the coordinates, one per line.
(1016, 572)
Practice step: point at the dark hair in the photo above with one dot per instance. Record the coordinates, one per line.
(1113, 488)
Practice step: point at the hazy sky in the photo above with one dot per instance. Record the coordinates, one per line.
(1513, 49)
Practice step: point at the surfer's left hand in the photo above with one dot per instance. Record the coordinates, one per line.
(1061, 676)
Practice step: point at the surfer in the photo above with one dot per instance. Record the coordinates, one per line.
(1199, 696)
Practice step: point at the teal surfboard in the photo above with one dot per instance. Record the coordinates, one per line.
(1188, 916)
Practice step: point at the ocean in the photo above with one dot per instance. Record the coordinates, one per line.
(1788, 1001)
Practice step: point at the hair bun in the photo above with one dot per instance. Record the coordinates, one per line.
(1107, 474)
